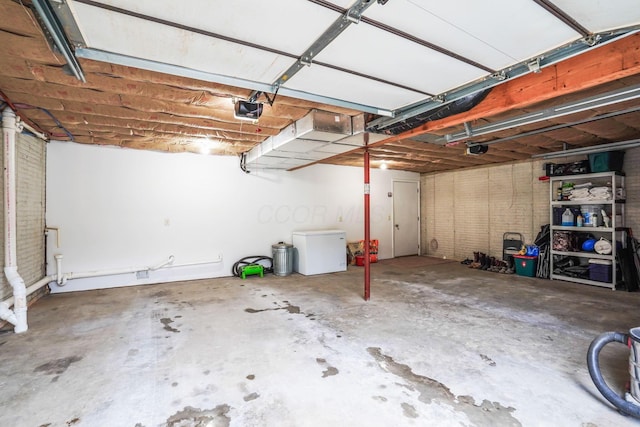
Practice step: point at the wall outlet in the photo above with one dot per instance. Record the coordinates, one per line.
(142, 274)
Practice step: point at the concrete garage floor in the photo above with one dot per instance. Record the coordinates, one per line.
(438, 344)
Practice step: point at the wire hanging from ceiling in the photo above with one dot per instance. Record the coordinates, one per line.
(59, 125)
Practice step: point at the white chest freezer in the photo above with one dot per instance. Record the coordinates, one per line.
(318, 252)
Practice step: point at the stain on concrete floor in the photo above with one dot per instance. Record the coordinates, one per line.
(166, 322)
(251, 396)
(487, 359)
(293, 309)
(409, 410)
(58, 366)
(195, 417)
(485, 414)
(330, 371)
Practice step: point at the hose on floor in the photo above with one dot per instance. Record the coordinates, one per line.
(593, 364)
(236, 270)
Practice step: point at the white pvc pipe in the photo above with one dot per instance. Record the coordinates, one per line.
(57, 230)
(30, 289)
(59, 276)
(19, 315)
(63, 277)
(189, 264)
(20, 124)
(6, 313)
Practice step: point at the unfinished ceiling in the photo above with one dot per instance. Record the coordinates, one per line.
(164, 78)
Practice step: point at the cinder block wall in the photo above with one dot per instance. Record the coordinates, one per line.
(470, 210)
(30, 211)
(632, 181)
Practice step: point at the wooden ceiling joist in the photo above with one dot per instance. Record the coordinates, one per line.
(142, 109)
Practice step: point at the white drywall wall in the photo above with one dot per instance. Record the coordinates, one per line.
(119, 208)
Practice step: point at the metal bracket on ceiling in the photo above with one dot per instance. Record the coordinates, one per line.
(499, 76)
(353, 18)
(467, 129)
(305, 61)
(591, 40)
(534, 66)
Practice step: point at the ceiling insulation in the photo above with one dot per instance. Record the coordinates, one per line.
(447, 48)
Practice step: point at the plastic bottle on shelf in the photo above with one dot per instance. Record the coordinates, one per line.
(567, 217)
(579, 221)
(605, 218)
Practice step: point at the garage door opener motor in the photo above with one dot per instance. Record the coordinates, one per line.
(630, 405)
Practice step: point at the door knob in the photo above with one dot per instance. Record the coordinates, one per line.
(398, 226)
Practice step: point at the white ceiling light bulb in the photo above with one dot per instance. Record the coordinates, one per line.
(207, 145)
(383, 165)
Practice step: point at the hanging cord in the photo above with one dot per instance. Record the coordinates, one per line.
(255, 95)
(243, 163)
(14, 107)
(271, 100)
(55, 120)
(236, 270)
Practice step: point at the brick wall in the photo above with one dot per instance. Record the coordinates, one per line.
(469, 210)
(30, 211)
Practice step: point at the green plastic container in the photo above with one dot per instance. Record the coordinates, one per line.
(607, 161)
(526, 265)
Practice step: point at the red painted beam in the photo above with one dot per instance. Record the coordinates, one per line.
(367, 224)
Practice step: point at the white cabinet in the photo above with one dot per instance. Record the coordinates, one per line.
(614, 210)
(319, 252)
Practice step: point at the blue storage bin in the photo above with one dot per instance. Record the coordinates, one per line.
(600, 270)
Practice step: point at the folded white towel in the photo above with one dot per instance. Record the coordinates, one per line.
(584, 185)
